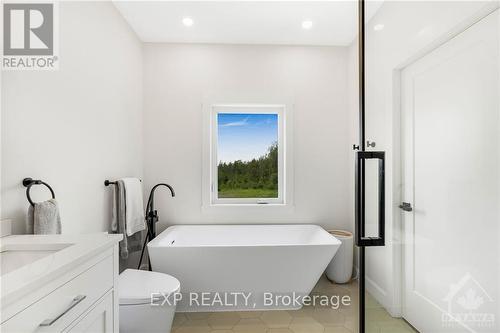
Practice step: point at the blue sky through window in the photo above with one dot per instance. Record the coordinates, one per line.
(245, 136)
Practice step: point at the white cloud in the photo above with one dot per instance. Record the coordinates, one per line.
(243, 122)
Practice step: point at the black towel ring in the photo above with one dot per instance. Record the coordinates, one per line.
(28, 182)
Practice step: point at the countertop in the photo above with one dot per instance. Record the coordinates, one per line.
(71, 251)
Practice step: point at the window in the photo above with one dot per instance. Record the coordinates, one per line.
(247, 154)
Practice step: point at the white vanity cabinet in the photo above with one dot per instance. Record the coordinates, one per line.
(79, 296)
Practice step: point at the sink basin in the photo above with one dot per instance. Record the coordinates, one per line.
(13, 257)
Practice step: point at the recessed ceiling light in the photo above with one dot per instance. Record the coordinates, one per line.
(378, 27)
(307, 24)
(187, 21)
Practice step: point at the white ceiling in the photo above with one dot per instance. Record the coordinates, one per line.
(255, 22)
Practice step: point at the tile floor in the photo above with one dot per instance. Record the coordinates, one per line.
(309, 319)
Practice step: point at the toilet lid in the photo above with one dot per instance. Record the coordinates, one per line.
(137, 286)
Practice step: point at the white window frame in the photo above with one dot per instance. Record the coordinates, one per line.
(217, 109)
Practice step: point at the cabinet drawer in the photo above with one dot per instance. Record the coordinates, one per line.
(99, 319)
(61, 307)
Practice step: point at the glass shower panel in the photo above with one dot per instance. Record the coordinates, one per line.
(432, 104)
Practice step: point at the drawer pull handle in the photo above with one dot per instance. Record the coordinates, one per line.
(74, 302)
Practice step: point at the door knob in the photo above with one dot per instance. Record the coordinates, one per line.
(406, 206)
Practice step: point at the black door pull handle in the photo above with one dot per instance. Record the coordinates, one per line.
(361, 159)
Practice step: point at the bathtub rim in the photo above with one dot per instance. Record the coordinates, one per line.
(333, 241)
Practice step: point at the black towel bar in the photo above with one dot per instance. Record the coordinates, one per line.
(28, 182)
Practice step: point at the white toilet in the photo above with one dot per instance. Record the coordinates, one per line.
(137, 314)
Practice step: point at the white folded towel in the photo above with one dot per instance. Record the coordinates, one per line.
(134, 211)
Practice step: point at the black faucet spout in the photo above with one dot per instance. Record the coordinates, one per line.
(150, 211)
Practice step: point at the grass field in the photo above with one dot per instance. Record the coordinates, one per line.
(248, 193)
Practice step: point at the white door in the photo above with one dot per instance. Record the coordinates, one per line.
(451, 177)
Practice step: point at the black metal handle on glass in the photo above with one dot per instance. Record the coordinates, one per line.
(152, 218)
(361, 239)
(28, 182)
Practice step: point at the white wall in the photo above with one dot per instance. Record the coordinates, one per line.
(411, 29)
(178, 78)
(76, 126)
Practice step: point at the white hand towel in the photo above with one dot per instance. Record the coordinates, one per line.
(134, 211)
(43, 218)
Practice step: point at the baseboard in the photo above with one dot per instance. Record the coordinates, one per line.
(376, 291)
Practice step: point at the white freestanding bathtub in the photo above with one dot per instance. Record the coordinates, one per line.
(242, 267)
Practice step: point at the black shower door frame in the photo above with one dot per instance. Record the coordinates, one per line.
(362, 155)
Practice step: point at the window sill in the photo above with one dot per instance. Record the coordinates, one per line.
(254, 209)
(248, 204)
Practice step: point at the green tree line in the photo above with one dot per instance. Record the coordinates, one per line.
(258, 174)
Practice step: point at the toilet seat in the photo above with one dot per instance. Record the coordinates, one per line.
(136, 286)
